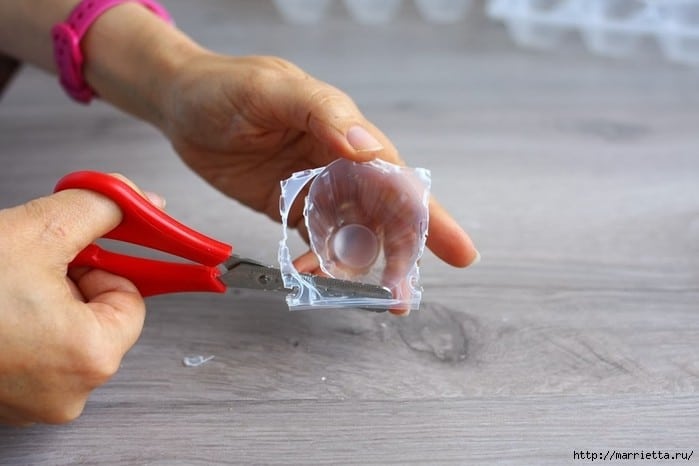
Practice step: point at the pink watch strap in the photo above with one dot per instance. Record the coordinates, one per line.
(67, 36)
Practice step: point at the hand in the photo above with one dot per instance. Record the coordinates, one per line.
(246, 123)
(63, 334)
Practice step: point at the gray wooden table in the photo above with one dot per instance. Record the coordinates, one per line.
(578, 178)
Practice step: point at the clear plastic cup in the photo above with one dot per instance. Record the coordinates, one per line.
(367, 223)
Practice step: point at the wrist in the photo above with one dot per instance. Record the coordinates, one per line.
(131, 55)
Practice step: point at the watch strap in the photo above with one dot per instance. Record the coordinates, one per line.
(68, 35)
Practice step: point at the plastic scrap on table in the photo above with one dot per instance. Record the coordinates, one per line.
(367, 222)
(196, 361)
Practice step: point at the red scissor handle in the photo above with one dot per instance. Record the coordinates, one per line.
(146, 225)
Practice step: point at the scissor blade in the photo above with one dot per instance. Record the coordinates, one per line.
(246, 273)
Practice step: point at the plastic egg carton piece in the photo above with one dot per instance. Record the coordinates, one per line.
(372, 11)
(608, 27)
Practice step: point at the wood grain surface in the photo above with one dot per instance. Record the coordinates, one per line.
(577, 177)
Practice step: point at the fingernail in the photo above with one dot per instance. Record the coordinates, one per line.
(361, 140)
(476, 260)
(155, 199)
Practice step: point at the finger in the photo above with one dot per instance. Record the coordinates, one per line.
(331, 116)
(307, 262)
(64, 223)
(155, 199)
(448, 240)
(403, 308)
(152, 197)
(117, 305)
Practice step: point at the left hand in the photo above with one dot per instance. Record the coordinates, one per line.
(63, 332)
(245, 123)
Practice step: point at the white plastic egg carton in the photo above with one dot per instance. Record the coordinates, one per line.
(608, 27)
(372, 11)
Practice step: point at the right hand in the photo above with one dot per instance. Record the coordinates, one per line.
(63, 333)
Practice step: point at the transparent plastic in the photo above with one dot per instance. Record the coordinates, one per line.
(367, 223)
(616, 28)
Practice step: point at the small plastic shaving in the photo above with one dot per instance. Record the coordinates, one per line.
(195, 361)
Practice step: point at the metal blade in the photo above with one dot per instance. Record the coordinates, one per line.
(246, 273)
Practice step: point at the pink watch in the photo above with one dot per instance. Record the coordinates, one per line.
(66, 42)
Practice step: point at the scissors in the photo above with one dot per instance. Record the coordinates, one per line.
(213, 267)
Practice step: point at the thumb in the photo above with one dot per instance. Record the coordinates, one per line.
(334, 119)
(62, 224)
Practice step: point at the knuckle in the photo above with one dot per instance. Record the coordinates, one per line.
(272, 72)
(257, 83)
(96, 362)
(99, 368)
(49, 225)
(282, 64)
(331, 103)
(326, 95)
(269, 67)
(36, 208)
